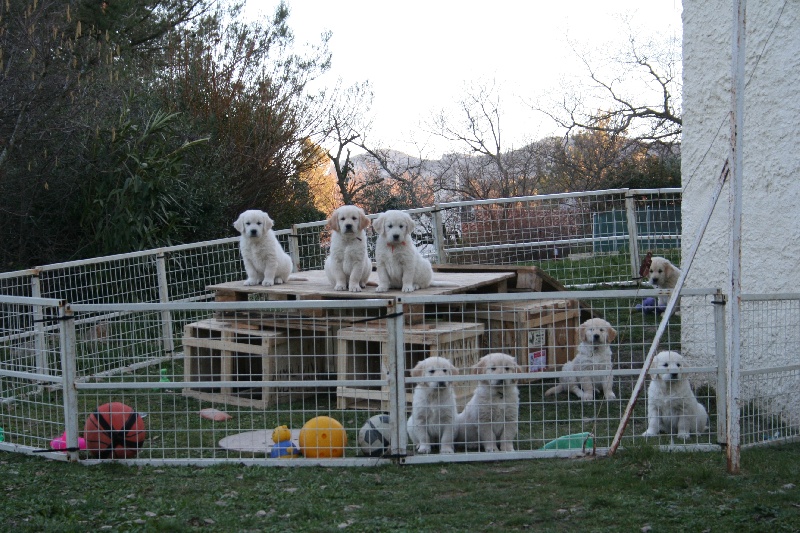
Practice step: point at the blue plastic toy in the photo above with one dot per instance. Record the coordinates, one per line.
(650, 305)
(284, 450)
(283, 447)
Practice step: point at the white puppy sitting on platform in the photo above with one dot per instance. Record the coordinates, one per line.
(264, 259)
(400, 265)
(348, 265)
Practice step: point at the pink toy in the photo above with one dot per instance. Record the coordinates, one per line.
(60, 443)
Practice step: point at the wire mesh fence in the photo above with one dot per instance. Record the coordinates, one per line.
(214, 372)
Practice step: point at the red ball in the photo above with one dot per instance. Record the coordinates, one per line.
(115, 431)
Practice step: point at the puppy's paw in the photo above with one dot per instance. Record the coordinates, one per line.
(250, 281)
(683, 435)
(267, 283)
(381, 288)
(340, 287)
(279, 281)
(650, 433)
(355, 288)
(409, 288)
(506, 447)
(490, 448)
(424, 448)
(610, 395)
(447, 449)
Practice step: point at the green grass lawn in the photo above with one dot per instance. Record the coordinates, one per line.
(639, 489)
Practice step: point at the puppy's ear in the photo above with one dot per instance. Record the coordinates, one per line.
(268, 222)
(363, 221)
(333, 221)
(612, 334)
(377, 224)
(582, 332)
(416, 371)
(239, 223)
(654, 365)
(411, 224)
(479, 367)
(453, 369)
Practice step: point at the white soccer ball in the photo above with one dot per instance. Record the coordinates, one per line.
(374, 437)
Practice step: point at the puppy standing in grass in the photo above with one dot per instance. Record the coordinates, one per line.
(663, 275)
(433, 407)
(671, 405)
(264, 259)
(348, 265)
(489, 419)
(400, 265)
(594, 353)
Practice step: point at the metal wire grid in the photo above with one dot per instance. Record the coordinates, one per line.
(554, 231)
(290, 364)
(30, 363)
(770, 375)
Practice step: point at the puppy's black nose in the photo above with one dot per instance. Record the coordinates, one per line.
(253, 232)
(596, 337)
(672, 376)
(348, 227)
(396, 237)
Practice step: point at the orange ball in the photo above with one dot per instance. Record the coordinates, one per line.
(323, 436)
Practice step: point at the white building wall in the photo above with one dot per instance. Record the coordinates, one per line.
(771, 199)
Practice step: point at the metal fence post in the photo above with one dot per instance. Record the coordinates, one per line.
(167, 339)
(438, 234)
(397, 384)
(68, 369)
(720, 344)
(633, 233)
(40, 347)
(294, 248)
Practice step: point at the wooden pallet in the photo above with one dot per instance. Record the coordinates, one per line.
(540, 334)
(219, 350)
(363, 355)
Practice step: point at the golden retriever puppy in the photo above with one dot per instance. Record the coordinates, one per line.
(489, 420)
(400, 265)
(433, 406)
(264, 259)
(663, 275)
(348, 265)
(594, 354)
(671, 404)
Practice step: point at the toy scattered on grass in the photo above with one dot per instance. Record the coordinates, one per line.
(115, 431)
(323, 437)
(60, 442)
(163, 379)
(579, 441)
(374, 438)
(650, 305)
(283, 448)
(214, 415)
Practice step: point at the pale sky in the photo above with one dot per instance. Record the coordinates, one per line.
(421, 55)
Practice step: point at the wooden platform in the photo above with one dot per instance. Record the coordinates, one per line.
(526, 278)
(315, 286)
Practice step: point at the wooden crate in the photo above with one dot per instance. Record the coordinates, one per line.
(362, 355)
(540, 334)
(220, 350)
